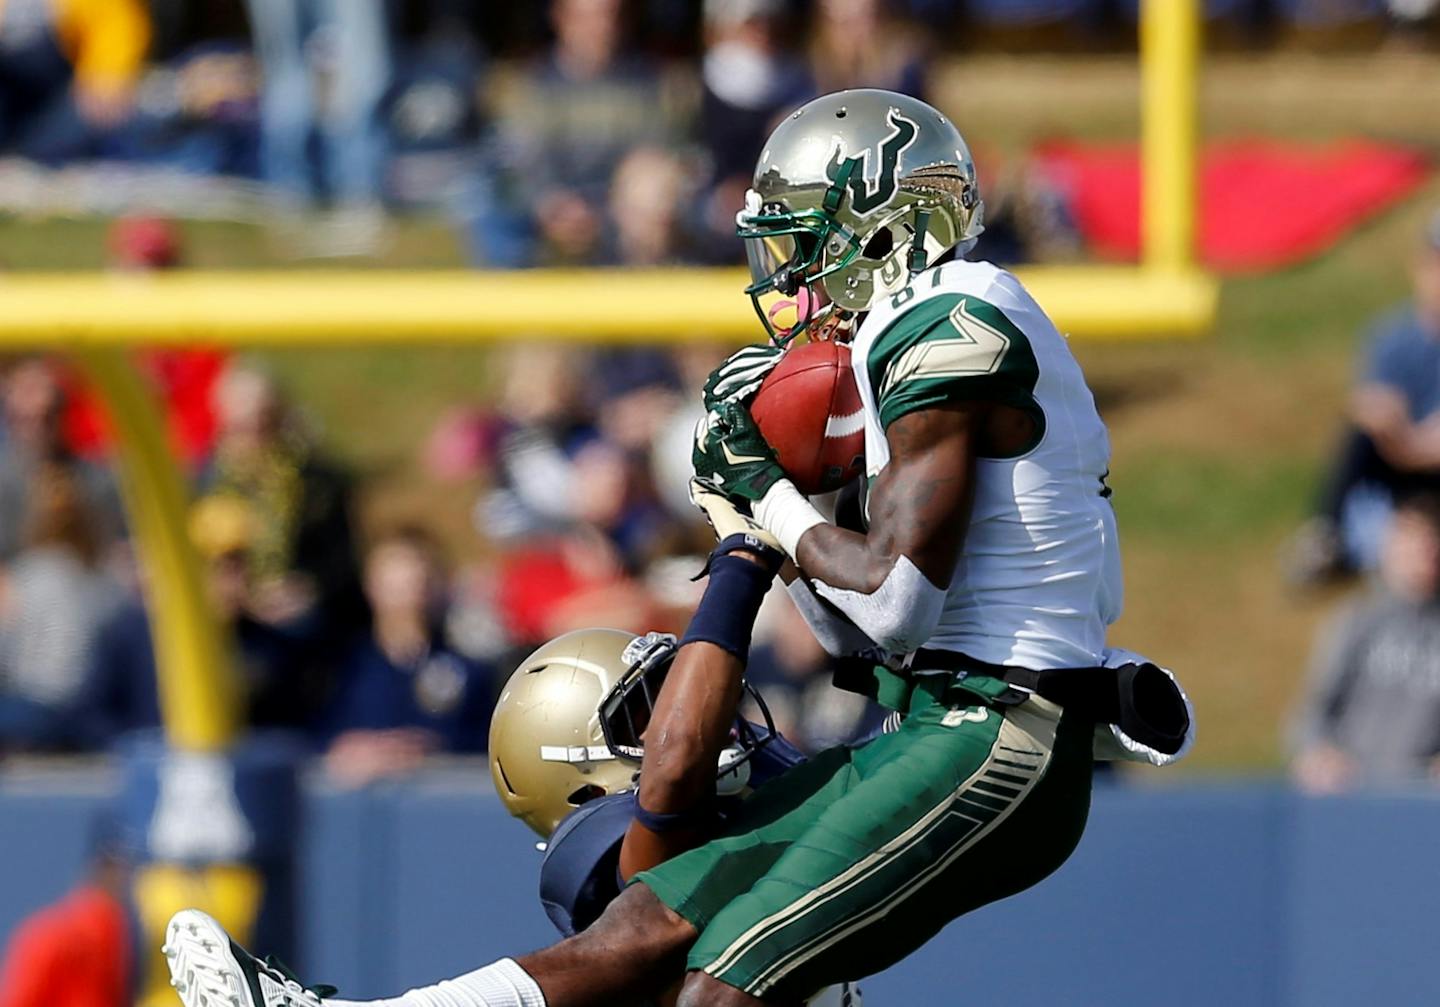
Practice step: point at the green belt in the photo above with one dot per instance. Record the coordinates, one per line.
(952, 689)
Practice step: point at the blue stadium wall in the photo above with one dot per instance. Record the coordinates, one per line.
(1201, 895)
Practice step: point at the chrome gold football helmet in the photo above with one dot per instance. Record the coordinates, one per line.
(548, 753)
(854, 193)
(570, 723)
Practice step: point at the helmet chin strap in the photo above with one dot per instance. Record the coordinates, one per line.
(919, 258)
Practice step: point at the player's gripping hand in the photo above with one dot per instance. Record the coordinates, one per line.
(730, 455)
(740, 376)
(725, 518)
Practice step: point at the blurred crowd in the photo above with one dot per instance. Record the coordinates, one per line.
(566, 132)
(1371, 713)
(372, 647)
(569, 131)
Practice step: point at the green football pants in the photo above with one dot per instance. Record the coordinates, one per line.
(848, 863)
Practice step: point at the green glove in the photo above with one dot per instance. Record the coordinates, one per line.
(732, 457)
(740, 376)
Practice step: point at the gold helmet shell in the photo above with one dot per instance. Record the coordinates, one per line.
(547, 747)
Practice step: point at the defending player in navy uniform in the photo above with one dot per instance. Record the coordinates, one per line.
(566, 751)
(974, 599)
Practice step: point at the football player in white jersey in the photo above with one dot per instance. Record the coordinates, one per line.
(972, 598)
(979, 428)
(979, 582)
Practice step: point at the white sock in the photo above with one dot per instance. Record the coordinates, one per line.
(503, 984)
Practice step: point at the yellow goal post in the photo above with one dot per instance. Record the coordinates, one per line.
(98, 317)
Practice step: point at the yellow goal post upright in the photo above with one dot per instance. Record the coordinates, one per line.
(99, 317)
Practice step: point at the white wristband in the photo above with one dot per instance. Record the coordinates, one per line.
(785, 513)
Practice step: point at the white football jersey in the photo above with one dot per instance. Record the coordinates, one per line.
(1039, 579)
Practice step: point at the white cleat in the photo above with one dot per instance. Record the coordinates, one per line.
(208, 969)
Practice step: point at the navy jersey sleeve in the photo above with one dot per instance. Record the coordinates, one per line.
(772, 758)
(580, 874)
(581, 870)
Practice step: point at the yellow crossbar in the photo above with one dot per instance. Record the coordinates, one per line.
(351, 308)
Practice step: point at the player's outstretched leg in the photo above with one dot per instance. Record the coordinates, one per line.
(634, 950)
(208, 969)
(701, 990)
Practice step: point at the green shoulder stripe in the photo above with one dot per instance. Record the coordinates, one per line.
(952, 348)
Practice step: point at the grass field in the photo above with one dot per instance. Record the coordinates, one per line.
(1218, 444)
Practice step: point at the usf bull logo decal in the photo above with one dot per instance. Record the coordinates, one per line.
(874, 175)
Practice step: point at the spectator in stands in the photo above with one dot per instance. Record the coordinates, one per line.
(749, 79)
(142, 243)
(1371, 713)
(637, 392)
(860, 43)
(572, 456)
(403, 692)
(432, 118)
(352, 40)
(53, 601)
(68, 73)
(31, 440)
(1393, 445)
(567, 505)
(646, 209)
(282, 674)
(201, 114)
(303, 558)
(569, 580)
(541, 424)
(76, 952)
(183, 378)
(574, 116)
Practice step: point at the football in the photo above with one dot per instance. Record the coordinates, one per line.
(808, 410)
